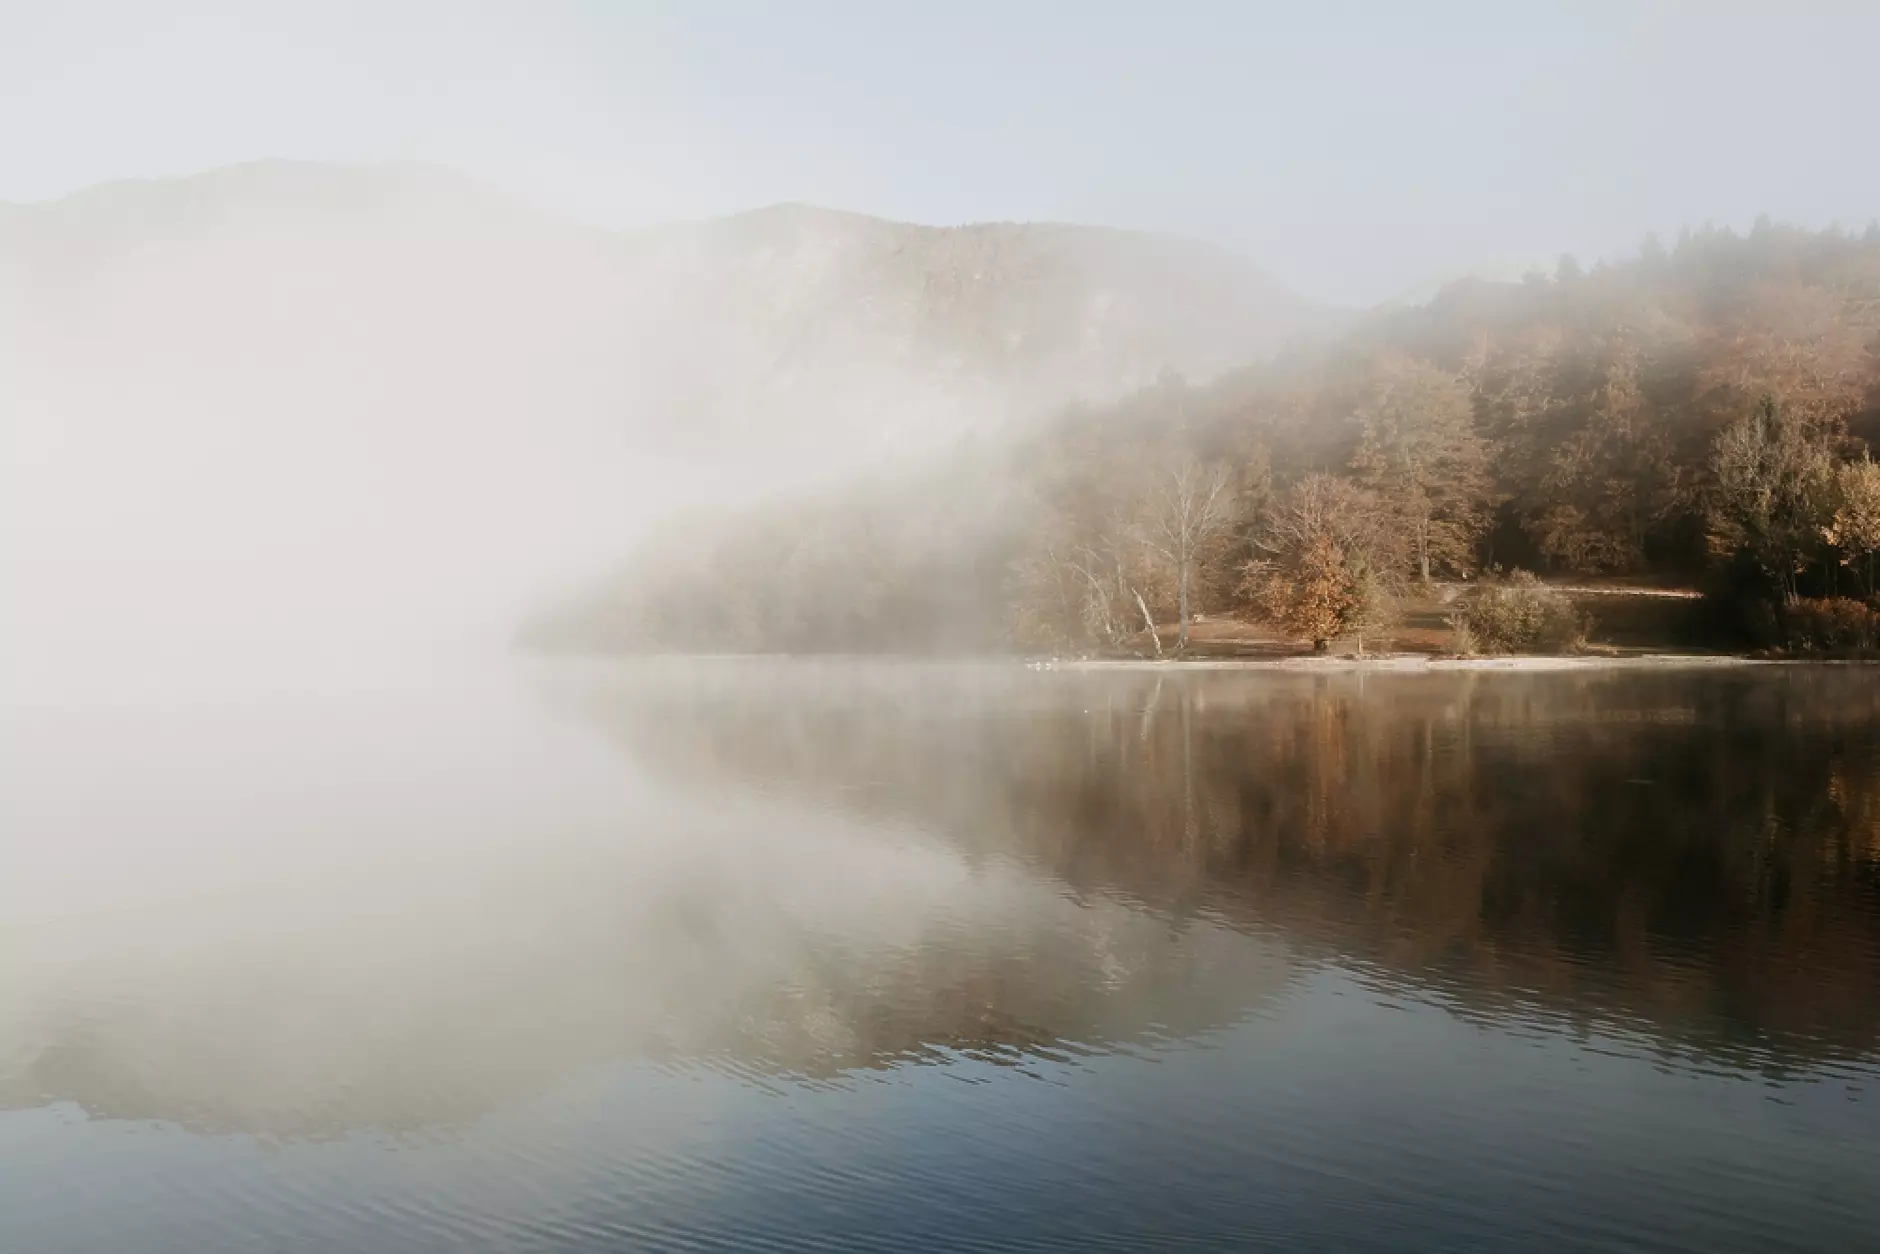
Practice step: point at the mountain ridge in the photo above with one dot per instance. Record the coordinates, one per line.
(273, 370)
(1026, 317)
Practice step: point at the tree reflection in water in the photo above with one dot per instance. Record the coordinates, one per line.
(1693, 855)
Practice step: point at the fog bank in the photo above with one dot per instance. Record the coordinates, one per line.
(320, 409)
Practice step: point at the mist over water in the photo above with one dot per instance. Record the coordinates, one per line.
(577, 956)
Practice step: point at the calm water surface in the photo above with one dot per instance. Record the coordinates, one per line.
(763, 956)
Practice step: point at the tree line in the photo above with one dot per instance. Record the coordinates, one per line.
(1699, 414)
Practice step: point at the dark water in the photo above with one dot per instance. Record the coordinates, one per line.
(845, 956)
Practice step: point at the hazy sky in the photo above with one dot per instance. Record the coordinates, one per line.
(1353, 149)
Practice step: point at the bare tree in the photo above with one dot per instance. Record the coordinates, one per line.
(1183, 510)
(1081, 586)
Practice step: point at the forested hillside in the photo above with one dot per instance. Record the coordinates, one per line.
(1700, 413)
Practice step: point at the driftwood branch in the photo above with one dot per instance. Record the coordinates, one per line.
(1149, 622)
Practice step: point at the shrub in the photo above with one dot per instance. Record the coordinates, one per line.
(1519, 615)
(1831, 625)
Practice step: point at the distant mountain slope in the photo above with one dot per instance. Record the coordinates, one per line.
(318, 383)
(781, 322)
(886, 323)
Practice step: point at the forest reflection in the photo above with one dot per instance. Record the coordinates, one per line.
(1690, 855)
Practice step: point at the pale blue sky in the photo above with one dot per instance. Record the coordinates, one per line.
(1353, 149)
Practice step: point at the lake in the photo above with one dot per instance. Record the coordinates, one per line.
(750, 955)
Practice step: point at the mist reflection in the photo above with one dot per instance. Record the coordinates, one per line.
(375, 960)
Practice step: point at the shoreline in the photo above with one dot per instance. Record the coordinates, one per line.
(1307, 663)
(1420, 662)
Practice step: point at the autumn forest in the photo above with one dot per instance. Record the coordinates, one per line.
(1697, 417)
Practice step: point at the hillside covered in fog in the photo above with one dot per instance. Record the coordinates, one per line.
(1698, 414)
(787, 324)
(272, 397)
